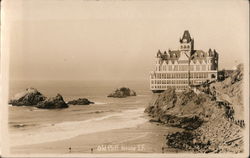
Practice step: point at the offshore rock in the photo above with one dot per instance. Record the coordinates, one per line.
(56, 102)
(80, 101)
(122, 93)
(29, 97)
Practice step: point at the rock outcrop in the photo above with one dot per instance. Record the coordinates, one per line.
(80, 101)
(56, 102)
(122, 93)
(29, 97)
(185, 110)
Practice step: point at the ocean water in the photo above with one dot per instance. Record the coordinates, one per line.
(71, 89)
(29, 125)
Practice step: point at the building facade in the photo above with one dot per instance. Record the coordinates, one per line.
(184, 67)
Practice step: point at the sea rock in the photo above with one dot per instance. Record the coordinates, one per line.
(56, 102)
(122, 93)
(29, 97)
(80, 101)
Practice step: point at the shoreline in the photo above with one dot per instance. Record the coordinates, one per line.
(150, 140)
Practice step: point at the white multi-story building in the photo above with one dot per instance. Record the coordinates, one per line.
(184, 67)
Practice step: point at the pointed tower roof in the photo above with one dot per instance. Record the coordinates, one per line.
(186, 35)
(159, 53)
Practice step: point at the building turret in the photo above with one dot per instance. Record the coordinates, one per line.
(158, 60)
(186, 37)
(158, 55)
(210, 53)
(186, 43)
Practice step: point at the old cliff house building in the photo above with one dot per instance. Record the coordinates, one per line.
(184, 67)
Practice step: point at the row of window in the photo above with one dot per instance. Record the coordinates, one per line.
(164, 87)
(185, 61)
(178, 75)
(183, 68)
(185, 46)
(175, 81)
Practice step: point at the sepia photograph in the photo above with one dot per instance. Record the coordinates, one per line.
(126, 78)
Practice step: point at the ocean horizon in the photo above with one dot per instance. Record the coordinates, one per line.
(78, 88)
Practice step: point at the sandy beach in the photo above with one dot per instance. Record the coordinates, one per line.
(144, 138)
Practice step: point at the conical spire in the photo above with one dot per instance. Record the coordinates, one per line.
(158, 53)
(186, 35)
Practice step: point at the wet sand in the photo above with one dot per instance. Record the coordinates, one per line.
(145, 138)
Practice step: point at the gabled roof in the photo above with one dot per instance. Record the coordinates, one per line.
(171, 55)
(199, 55)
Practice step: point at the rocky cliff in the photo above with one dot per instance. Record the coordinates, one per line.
(187, 109)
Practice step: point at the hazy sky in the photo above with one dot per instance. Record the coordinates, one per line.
(92, 40)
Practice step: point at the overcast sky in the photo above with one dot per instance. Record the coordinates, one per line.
(104, 40)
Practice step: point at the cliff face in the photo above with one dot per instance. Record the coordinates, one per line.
(186, 109)
(210, 118)
(231, 91)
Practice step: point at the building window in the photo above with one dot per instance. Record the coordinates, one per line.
(164, 76)
(191, 75)
(203, 67)
(197, 68)
(191, 68)
(175, 68)
(170, 68)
